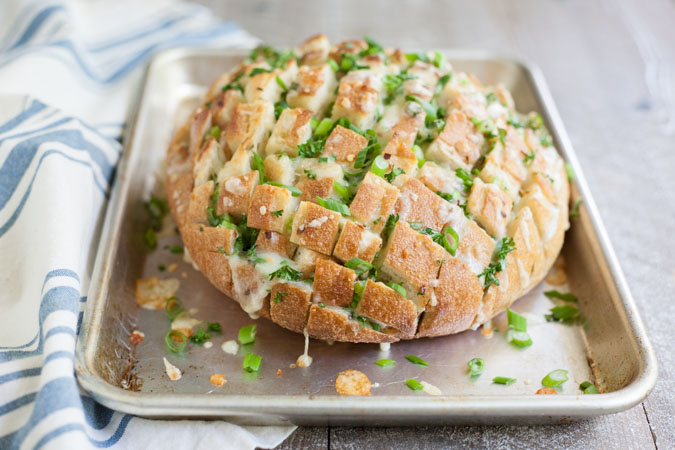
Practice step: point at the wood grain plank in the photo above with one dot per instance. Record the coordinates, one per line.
(306, 437)
(598, 433)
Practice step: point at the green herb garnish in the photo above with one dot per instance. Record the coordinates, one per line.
(252, 362)
(490, 272)
(414, 384)
(567, 297)
(555, 378)
(333, 205)
(503, 380)
(173, 307)
(359, 265)
(588, 388)
(385, 362)
(285, 272)
(476, 366)
(175, 341)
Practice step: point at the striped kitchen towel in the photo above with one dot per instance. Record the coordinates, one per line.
(68, 73)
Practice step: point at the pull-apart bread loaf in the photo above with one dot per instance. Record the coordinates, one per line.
(362, 194)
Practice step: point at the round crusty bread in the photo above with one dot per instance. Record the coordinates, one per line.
(271, 182)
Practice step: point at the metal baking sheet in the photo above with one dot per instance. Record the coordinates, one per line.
(611, 347)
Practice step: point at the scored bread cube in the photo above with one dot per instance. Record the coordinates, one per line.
(315, 227)
(417, 203)
(207, 161)
(201, 238)
(201, 123)
(357, 98)
(311, 189)
(267, 201)
(279, 168)
(315, 88)
(250, 122)
(412, 258)
(239, 164)
(426, 73)
(439, 179)
(320, 169)
(514, 155)
(344, 144)
(236, 192)
(382, 303)
(306, 259)
(492, 172)
(289, 306)
(459, 144)
(527, 253)
(475, 247)
(222, 107)
(335, 324)
(374, 201)
(333, 283)
(271, 241)
(545, 213)
(455, 301)
(200, 199)
(262, 87)
(314, 50)
(351, 46)
(356, 241)
(490, 207)
(403, 137)
(292, 129)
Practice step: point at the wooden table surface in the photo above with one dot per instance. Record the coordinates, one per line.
(611, 69)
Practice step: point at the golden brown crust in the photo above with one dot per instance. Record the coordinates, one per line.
(521, 192)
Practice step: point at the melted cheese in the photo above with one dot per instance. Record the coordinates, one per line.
(305, 360)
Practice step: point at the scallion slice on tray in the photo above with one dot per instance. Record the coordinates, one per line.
(416, 360)
(247, 334)
(385, 362)
(476, 366)
(503, 380)
(173, 307)
(588, 388)
(555, 378)
(175, 341)
(414, 384)
(252, 362)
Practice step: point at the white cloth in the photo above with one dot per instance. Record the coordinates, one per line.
(68, 73)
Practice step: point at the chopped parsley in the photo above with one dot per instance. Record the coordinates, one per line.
(527, 160)
(390, 176)
(285, 272)
(574, 211)
(506, 246)
(234, 84)
(278, 213)
(310, 174)
(214, 326)
(200, 336)
(390, 225)
(279, 297)
(274, 58)
(258, 71)
(253, 257)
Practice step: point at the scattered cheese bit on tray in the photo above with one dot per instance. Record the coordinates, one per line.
(152, 292)
(430, 388)
(230, 347)
(217, 379)
(546, 390)
(352, 382)
(172, 371)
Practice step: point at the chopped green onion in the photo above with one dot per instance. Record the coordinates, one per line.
(385, 362)
(258, 71)
(247, 334)
(555, 378)
(252, 362)
(574, 211)
(214, 326)
(295, 192)
(476, 366)
(333, 65)
(588, 388)
(281, 83)
(503, 380)
(333, 205)
(359, 265)
(176, 249)
(568, 297)
(430, 109)
(518, 338)
(161, 267)
(563, 313)
(310, 174)
(150, 238)
(414, 384)
(279, 297)
(175, 341)
(323, 128)
(419, 154)
(398, 288)
(451, 248)
(379, 166)
(214, 132)
(516, 321)
(173, 307)
(278, 213)
(416, 360)
(465, 177)
(342, 190)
